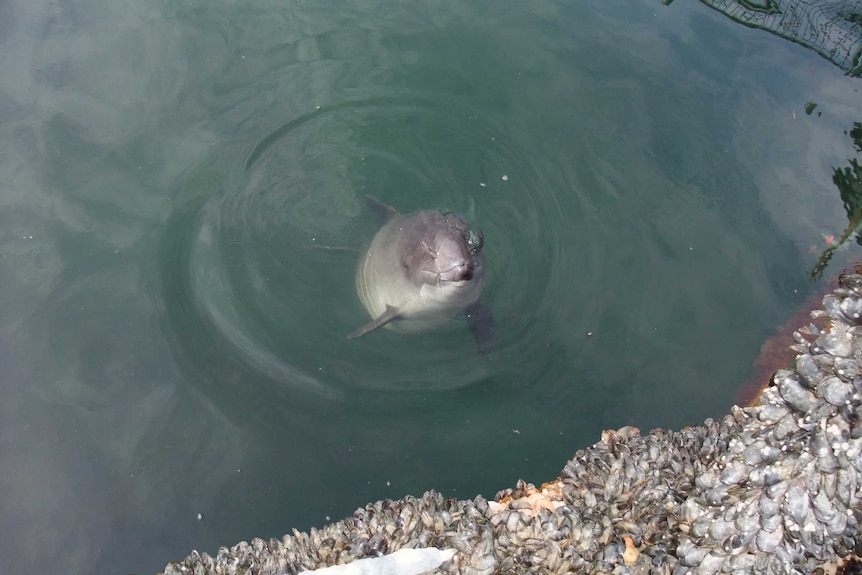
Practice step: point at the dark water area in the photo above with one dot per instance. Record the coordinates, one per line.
(181, 207)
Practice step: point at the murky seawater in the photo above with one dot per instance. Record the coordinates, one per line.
(181, 220)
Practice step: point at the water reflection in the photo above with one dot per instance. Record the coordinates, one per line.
(848, 180)
(833, 28)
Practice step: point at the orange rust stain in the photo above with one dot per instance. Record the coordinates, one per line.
(774, 354)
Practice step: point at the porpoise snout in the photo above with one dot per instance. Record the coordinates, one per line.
(461, 271)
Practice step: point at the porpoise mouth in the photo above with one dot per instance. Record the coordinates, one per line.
(462, 271)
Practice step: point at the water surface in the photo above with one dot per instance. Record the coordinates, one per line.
(181, 214)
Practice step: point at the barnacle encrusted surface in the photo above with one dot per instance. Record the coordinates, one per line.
(766, 489)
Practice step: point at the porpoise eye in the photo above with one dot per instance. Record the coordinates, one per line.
(475, 241)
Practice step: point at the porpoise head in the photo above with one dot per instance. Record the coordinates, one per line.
(448, 253)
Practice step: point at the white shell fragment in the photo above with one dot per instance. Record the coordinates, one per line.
(402, 562)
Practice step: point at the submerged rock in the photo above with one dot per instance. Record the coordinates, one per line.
(767, 489)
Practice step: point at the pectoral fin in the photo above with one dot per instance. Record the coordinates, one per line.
(390, 314)
(384, 212)
(482, 325)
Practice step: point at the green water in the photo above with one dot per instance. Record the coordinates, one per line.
(173, 362)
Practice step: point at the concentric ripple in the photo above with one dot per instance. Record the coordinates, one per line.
(258, 261)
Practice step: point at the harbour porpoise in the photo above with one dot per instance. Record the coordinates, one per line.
(422, 269)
